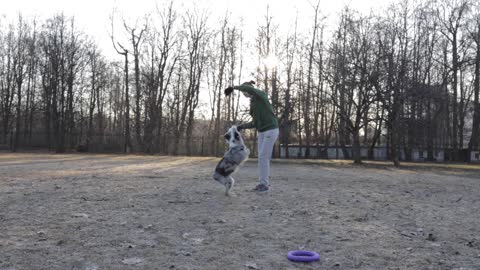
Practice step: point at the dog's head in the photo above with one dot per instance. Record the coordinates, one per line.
(233, 137)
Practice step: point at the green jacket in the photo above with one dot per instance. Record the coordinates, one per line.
(260, 109)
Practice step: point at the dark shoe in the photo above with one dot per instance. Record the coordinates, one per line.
(261, 188)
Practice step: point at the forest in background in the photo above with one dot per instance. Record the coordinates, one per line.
(407, 77)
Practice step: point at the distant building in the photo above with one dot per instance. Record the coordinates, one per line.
(475, 156)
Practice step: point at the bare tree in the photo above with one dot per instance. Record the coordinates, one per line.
(7, 82)
(120, 49)
(98, 82)
(219, 84)
(451, 15)
(474, 142)
(196, 37)
(308, 89)
(164, 56)
(288, 107)
(136, 40)
(20, 62)
(62, 47)
(32, 66)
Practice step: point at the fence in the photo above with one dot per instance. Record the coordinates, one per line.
(202, 146)
(115, 143)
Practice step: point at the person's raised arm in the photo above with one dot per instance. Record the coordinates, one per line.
(248, 125)
(249, 89)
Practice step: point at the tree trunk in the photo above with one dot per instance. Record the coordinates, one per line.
(18, 111)
(357, 159)
(128, 145)
(455, 98)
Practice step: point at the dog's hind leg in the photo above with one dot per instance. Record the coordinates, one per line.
(229, 185)
(220, 178)
(227, 181)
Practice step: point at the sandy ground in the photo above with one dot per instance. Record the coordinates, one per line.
(153, 212)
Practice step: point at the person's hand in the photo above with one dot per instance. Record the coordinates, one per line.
(228, 91)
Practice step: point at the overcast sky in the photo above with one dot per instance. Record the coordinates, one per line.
(93, 15)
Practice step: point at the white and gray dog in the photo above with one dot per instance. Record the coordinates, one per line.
(236, 155)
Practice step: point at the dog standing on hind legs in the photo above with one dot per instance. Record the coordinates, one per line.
(236, 155)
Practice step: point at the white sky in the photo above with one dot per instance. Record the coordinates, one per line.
(93, 15)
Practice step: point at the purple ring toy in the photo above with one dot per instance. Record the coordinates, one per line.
(303, 256)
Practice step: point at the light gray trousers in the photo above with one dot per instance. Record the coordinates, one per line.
(266, 141)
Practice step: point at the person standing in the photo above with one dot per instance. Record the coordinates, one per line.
(266, 123)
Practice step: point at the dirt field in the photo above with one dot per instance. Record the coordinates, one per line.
(152, 212)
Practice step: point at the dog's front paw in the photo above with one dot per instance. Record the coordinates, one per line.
(227, 189)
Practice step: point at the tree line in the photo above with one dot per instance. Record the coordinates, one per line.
(405, 78)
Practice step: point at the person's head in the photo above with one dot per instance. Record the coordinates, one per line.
(251, 83)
